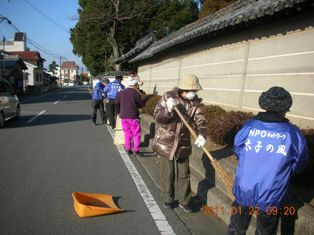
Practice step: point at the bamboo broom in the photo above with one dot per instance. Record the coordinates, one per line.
(222, 174)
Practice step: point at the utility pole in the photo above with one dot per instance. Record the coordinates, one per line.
(3, 18)
(60, 72)
(3, 43)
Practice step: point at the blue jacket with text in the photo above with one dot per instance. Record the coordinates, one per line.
(113, 88)
(269, 153)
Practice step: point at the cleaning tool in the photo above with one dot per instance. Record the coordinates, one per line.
(92, 204)
(222, 174)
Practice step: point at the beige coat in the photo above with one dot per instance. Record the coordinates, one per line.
(172, 138)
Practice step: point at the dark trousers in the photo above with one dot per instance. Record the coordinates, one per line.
(112, 111)
(98, 104)
(239, 222)
(175, 174)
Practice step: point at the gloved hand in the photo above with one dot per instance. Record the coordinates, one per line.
(170, 104)
(200, 141)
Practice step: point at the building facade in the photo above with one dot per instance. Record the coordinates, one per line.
(69, 73)
(18, 44)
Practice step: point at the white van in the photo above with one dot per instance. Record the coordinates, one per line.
(9, 103)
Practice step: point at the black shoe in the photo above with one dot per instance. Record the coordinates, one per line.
(138, 154)
(167, 205)
(130, 152)
(186, 208)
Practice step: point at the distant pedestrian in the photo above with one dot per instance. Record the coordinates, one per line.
(270, 150)
(172, 140)
(97, 101)
(130, 101)
(111, 91)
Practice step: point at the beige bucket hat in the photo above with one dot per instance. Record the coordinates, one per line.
(190, 82)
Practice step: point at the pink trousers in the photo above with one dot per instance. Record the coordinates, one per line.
(132, 130)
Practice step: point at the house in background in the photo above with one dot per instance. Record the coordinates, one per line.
(18, 44)
(12, 69)
(69, 73)
(33, 78)
(35, 66)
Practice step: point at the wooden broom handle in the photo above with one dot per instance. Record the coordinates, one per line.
(192, 132)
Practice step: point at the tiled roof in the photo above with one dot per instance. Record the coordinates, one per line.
(69, 64)
(27, 55)
(141, 45)
(242, 11)
(112, 73)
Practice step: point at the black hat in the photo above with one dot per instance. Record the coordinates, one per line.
(276, 99)
(119, 77)
(105, 80)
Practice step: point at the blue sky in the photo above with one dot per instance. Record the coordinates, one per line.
(46, 23)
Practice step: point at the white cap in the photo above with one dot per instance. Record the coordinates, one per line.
(131, 81)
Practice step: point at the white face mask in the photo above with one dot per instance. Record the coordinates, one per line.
(190, 95)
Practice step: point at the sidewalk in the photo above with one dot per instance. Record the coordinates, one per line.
(197, 223)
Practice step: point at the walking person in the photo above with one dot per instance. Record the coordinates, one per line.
(130, 101)
(270, 150)
(111, 91)
(172, 139)
(97, 101)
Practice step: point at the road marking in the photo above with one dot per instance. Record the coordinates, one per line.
(157, 215)
(33, 118)
(56, 102)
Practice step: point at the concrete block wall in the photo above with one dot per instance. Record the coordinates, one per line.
(236, 67)
(206, 184)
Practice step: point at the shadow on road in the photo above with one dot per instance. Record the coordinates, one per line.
(46, 120)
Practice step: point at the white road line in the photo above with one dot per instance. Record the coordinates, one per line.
(33, 118)
(157, 215)
(56, 102)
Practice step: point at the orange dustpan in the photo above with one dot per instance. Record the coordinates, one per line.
(91, 204)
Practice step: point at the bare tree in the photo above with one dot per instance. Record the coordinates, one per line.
(111, 14)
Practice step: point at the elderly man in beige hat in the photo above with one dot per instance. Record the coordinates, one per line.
(172, 139)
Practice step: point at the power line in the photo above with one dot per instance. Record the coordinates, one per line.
(36, 45)
(43, 14)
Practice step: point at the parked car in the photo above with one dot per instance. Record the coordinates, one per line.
(9, 103)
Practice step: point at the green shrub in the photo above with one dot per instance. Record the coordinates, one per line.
(223, 128)
(150, 103)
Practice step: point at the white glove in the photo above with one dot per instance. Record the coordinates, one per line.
(170, 104)
(200, 141)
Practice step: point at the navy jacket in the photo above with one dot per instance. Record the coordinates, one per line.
(269, 150)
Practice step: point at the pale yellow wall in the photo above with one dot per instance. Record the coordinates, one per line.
(234, 71)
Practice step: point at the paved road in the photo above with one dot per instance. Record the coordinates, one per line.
(52, 151)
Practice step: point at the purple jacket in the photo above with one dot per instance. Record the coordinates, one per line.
(130, 101)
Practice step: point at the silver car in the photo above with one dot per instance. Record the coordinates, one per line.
(9, 103)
